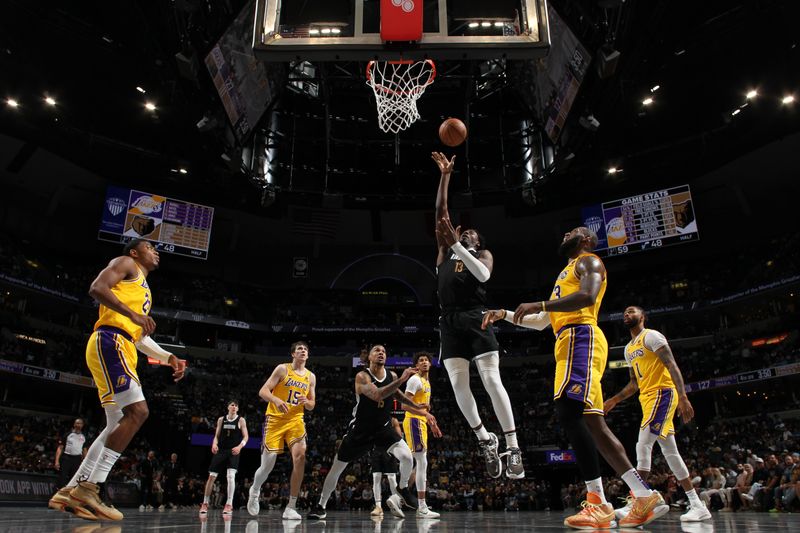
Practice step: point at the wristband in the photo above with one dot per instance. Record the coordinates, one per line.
(505, 314)
(544, 308)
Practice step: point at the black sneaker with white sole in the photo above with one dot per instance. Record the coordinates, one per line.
(408, 497)
(317, 512)
(514, 467)
(494, 466)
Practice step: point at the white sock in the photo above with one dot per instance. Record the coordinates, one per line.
(636, 484)
(113, 416)
(231, 486)
(694, 499)
(206, 499)
(267, 464)
(481, 433)
(292, 502)
(422, 504)
(511, 439)
(392, 478)
(595, 486)
(103, 466)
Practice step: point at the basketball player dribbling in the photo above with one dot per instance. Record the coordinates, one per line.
(371, 427)
(655, 374)
(463, 266)
(290, 390)
(581, 353)
(230, 439)
(123, 326)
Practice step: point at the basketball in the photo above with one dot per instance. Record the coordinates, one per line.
(452, 132)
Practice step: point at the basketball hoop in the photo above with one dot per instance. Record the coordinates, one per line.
(397, 86)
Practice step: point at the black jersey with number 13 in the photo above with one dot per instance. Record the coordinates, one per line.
(459, 290)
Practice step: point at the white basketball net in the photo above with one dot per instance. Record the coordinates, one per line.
(397, 86)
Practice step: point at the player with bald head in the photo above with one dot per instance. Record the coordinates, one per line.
(581, 353)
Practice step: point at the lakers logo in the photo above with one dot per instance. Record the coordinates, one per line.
(576, 389)
(121, 381)
(657, 426)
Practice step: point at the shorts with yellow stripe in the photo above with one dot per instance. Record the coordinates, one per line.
(279, 431)
(581, 355)
(416, 433)
(111, 357)
(658, 410)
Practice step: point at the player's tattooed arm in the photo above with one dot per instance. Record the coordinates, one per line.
(367, 388)
(626, 392)
(685, 408)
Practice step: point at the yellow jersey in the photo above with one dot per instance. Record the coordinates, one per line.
(567, 283)
(651, 374)
(134, 293)
(420, 388)
(289, 389)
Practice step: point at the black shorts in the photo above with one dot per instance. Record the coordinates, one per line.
(223, 459)
(462, 336)
(383, 462)
(357, 443)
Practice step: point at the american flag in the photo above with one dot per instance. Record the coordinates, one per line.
(322, 222)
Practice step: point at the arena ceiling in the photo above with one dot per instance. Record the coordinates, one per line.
(90, 57)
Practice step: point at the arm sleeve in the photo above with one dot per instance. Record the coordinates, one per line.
(475, 267)
(148, 346)
(653, 340)
(413, 384)
(536, 321)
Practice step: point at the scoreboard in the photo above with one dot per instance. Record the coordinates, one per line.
(173, 226)
(644, 221)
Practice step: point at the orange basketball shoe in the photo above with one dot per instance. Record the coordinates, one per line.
(593, 515)
(645, 510)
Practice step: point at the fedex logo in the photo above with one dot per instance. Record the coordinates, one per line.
(561, 456)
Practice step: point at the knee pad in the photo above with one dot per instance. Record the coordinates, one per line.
(644, 455)
(457, 370)
(670, 450)
(231, 475)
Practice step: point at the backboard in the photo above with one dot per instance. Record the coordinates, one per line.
(343, 30)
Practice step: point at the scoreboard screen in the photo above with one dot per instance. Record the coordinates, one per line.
(173, 226)
(644, 221)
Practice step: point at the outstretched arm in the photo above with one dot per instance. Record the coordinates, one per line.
(591, 272)
(626, 392)
(446, 168)
(367, 388)
(538, 321)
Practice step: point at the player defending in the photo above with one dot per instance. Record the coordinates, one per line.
(463, 266)
(415, 427)
(122, 327)
(655, 374)
(371, 427)
(290, 389)
(229, 440)
(581, 354)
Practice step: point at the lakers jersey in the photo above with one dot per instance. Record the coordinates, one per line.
(134, 293)
(421, 390)
(567, 283)
(651, 374)
(289, 389)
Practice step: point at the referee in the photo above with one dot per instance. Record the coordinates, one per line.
(70, 452)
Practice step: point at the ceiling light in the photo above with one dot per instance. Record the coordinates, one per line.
(313, 32)
(498, 24)
(336, 31)
(140, 89)
(473, 24)
(50, 101)
(752, 94)
(150, 106)
(183, 170)
(325, 31)
(647, 101)
(735, 112)
(614, 170)
(655, 88)
(485, 24)
(12, 103)
(788, 99)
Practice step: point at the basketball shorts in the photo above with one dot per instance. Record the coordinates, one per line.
(658, 410)
(383, 462)
(461, 335)
(111, 357)
(358, 442)
(581, 355)
(223, 460)
(416, 433)
(280, 433)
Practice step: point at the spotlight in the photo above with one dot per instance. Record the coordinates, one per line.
(735, 112)
(647, 101)
(485, 24)
(752, 93)
(140, 89)
(336, 31)
(655, 88)
(325, 31)
(788, 99)
(313, 32)
(498, 24)
(183, 170)
(150, 106)
(473, 24)
(12, 103)
(614, 170)
(50, 101)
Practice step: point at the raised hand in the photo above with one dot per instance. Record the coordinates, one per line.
(449, 235)
(445, 165)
